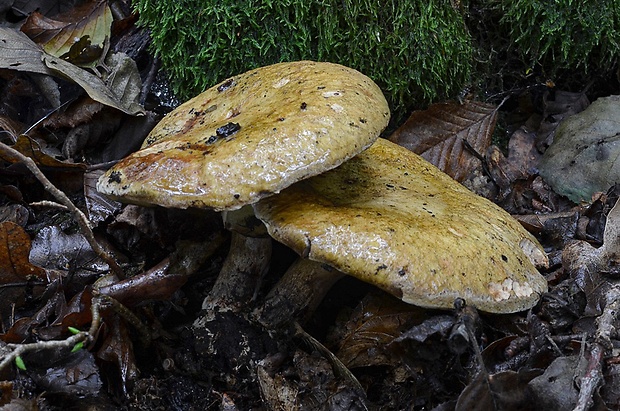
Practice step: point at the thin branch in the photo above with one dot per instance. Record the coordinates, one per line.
(65, 201)
(49, 204)
(17, 350)
(10, 352)
(602, 345)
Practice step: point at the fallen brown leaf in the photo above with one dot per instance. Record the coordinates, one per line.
(438, 134)
(77, 36)
(14, 251)
(376, 322)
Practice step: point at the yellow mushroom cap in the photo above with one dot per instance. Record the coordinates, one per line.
(390, 218)
(251, 136)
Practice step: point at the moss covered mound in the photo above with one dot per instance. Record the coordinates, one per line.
(563, 34)
(416, 51)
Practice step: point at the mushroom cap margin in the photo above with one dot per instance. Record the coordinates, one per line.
(392, 219)
(251, 136)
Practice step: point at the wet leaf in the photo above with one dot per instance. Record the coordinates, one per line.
(99, 207)
(15, 265)
(436, 325)
(555, 389)
(117, 348)
(77, 36)
(43, 323)
(74, 373)
(521, 163)
(506, 391)
(438, 133)
(40, 153)
(52, 248)
(375, 323)
(155, 284)
(77, 314)
(583, 157)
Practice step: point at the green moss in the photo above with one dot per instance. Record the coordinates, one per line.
(417, 51)
(564, 34)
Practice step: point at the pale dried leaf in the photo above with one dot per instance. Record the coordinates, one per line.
(437, 134)
(18, 52)
(96, 88)
(77, 36)
(583, 158)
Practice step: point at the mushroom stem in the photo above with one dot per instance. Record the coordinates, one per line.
(247, 261)
(298, 293)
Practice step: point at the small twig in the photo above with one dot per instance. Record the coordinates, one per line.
(10, 352)
(65, 201)
(17, 350)
(49, 204)
(602, 344)
(127, 315)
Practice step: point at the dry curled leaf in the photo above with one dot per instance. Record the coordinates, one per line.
(40, 153)
(375, 323)
(16, 271)
(438, 133)
(14, 250)
(77, 36)
(18, 52)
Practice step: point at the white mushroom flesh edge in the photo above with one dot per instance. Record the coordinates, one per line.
(390, 218)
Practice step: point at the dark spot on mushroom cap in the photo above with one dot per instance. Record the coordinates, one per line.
(303, 106)
(115, 177)
(150, 140)
(504, 258)
(228, 129)
(226, 85)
